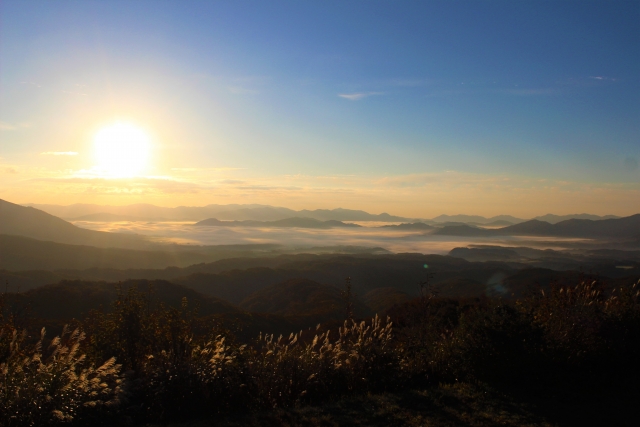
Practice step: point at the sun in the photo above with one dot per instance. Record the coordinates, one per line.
(121, 150)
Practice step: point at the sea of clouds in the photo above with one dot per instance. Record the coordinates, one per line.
(368, 236)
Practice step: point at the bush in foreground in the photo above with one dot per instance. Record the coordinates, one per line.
(42, 387)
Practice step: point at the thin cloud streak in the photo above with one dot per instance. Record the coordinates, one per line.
(358, 96)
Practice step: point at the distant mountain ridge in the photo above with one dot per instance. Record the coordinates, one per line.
(257, 212)
(410, 226)
(477, 219)
(109, 217)
(627, 227)
(554, 219)
(233, 212)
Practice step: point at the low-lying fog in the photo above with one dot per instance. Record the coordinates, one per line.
(369, 236)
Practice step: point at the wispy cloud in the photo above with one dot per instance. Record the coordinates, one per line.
(59, 153)
(602, 78)
(358, 95)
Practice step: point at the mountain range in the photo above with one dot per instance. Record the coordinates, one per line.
(508, 219)
(232, 212)
(627, 227)
(256, 212)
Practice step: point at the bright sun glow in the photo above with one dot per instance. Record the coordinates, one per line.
(122, 150)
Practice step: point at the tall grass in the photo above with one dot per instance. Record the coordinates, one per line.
(219, 376)
(587, 334)
(47, 385)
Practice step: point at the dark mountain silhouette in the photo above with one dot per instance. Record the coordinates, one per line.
(410, 226)
(628, 227)
(75, 298)
(402, 272)
(509, 220)
(23, 253)
(554, 219)
(301, 297)
(533, 227)
(348, 215)
(288, 222)
(234, 280)
(462, 230)
(454, 223)
(30, 222)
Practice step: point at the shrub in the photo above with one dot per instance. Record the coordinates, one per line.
(587, 328)
(220, 376)
(362, 357)
(41, 387)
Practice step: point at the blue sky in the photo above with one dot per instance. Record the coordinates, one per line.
(371, 105)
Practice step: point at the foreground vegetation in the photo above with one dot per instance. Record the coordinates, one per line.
(144, 362)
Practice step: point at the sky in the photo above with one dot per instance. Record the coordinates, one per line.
(416, 108)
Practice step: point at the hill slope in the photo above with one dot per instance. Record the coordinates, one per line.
(30, 222)
(23, 253)
(75, 298)
(619, 227)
